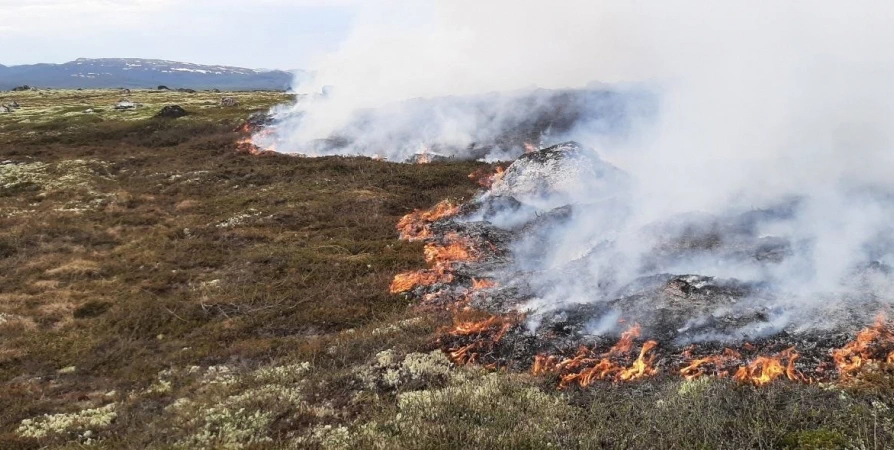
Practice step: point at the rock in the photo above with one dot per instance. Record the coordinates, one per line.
(88, 111)
(187, 91)
(228, 102)
(216, 91)
(21, 88)
(163, 88)
(14, 105)
(172, 112)
(5, 109)
(126, 92)
(560, 175)
(125, 105)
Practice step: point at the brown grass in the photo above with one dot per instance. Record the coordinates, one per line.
(184, 256)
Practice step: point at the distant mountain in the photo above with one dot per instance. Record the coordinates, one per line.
(141, 73)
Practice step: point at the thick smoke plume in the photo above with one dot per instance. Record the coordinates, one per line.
(781, 107)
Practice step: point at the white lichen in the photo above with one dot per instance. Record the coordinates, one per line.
(76, 422)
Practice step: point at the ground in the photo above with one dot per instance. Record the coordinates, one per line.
(161, 289)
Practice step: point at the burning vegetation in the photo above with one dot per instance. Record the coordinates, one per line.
(485, 178)
(873, 345)
(415, 226)
(588, 366)
(454, 254)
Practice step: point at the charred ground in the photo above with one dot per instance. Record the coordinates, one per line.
(162, 289)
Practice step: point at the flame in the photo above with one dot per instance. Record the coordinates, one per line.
(247, 143)
(865, 349)
(478, 285)
(415, 226)
(544, 364)
(764, 369)
(642, 367)
(487, 179)
(422, 156)
(585, 367)
(408, 281)
(695, 369)
(458, 250)
(486, 332)
(625, 344)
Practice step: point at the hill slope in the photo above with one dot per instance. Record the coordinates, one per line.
(140, 73)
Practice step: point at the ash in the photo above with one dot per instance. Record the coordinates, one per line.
(737, 298)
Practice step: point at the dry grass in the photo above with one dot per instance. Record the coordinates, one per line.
(160, 290)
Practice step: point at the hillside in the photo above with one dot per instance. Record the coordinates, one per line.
(163, 288)
(140, 73)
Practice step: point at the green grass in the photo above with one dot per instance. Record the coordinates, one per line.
(220, 300)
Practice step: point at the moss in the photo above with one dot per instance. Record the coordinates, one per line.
(821, 439)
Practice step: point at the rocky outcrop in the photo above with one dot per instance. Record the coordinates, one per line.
(172, 112)
(560, 175)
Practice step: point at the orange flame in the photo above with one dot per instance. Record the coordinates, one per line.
(458, 250)
(486, 179)
(415, 226)
(865, 348)
(483, 283)
(407, 281)
(765, 369)
(695, 369)
(602, 367)
(487, 332)
(625, 344)
(642, 367)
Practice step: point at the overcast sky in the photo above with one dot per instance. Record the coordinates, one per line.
(280, 34)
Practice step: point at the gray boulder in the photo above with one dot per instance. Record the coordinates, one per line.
(560, 175)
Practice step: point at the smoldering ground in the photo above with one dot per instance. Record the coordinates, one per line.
(762, 161)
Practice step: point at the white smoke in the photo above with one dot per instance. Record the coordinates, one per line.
(759, 102)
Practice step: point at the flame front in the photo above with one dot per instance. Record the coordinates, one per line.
(415, 226)
(485, 333)
(407, 281)
(457, 249)
(642, 367)
(696, 367)
(483, 283)
(487, 179)
(586, 367)
(765, 369)
(870, 346)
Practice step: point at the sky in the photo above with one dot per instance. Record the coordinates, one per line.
(272, 34)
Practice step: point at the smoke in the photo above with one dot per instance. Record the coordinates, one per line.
(783, 107)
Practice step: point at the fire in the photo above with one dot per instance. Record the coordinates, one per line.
(478, 327)
(625, 344)
(765, 369)
(869, 346)
(486, 179)
(485, 333)
(642, 367)
(544, 364)
(458, 250)
(530, 148)
(247, 144)
(415, 226)
(695, 368)
(478, 285)
(586, 367)
(407, 281)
